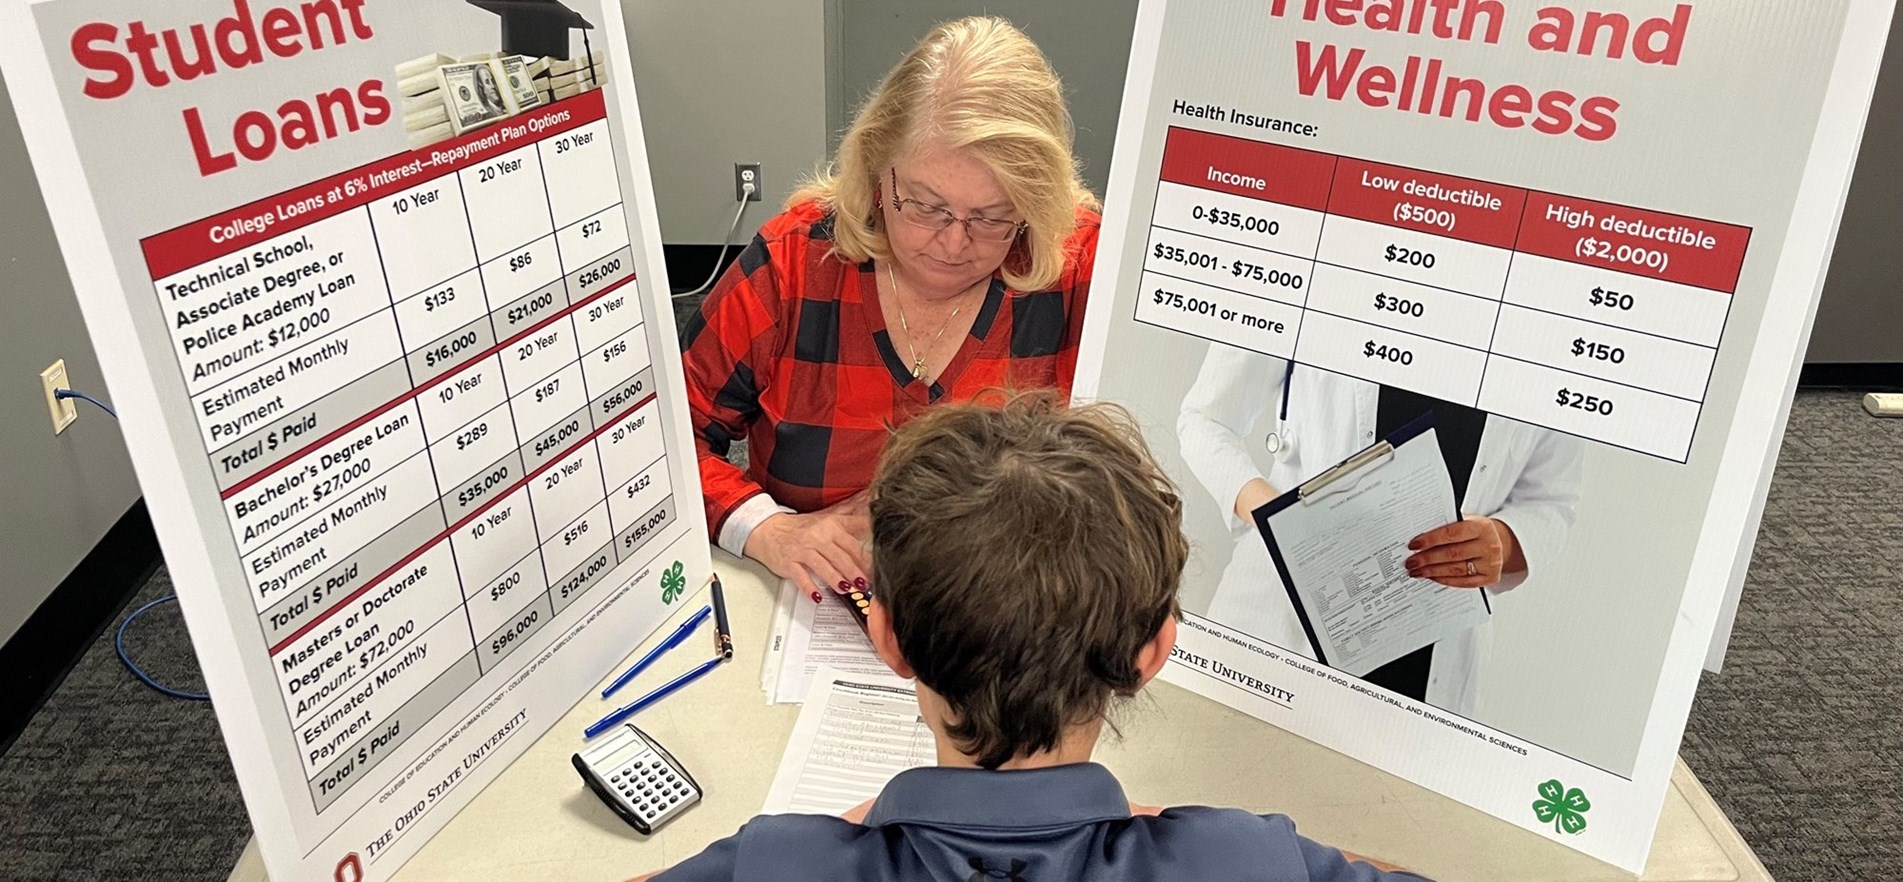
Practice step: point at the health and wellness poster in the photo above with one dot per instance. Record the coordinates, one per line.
(378, 289)
(1468, 329)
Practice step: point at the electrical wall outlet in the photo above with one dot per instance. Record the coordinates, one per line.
(54, 377)
(745, 173)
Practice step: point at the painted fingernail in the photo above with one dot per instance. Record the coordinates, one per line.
(816, 597)
(859, 582)
(845, 585)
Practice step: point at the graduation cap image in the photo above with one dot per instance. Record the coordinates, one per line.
(536, 28)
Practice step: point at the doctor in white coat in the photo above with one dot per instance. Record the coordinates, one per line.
(1520, 501)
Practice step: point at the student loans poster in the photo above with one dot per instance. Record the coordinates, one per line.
(1537, 278)
(377, 287)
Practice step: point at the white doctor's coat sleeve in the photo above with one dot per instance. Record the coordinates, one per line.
(1543, 503)
(1233, 392)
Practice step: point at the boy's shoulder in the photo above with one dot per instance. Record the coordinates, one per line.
(1199, 841)
(775, 847)
(1272, 843)
(1208, 838)
(1233, 836)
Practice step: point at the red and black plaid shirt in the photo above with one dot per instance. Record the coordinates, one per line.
(791, 351)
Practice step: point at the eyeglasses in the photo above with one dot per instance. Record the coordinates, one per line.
(936, 217)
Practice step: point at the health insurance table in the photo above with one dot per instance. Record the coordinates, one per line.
(1594, 319)
(425, 390)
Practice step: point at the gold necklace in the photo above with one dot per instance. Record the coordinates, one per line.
(918, 361)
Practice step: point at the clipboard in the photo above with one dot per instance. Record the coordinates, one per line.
(1342, 477)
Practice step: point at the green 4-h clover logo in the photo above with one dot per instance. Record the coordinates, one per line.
(1566, 809)
(673, 584)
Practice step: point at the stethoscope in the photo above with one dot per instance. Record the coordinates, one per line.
(1281, 442)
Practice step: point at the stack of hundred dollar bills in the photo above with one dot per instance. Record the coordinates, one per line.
(425, 117)
(566, 78)
(444, 97)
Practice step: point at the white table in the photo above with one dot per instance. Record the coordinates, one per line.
(538, 822)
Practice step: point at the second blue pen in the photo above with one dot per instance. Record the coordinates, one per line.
(681, 633)
(649, 699)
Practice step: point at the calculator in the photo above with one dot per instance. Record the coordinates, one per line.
(637, 778)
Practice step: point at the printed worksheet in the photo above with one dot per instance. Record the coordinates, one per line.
(808, 636)
(854, 733)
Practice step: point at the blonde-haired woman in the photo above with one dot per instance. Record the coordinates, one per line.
(946, 251)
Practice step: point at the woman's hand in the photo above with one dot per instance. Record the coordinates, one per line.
(1254, 495)
(1473, 552)
(825, 549)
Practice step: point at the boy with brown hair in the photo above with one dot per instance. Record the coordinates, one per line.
(1027, 558)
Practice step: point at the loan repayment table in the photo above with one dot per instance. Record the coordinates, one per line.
(1597, 320)
(538, 822)
(428, 395)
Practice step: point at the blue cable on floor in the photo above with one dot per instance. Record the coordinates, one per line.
(119, 639)
(119, 646)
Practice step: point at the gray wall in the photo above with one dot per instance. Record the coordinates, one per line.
(1860, 318)
(725, 82)
(1088, 41)
(60, 493)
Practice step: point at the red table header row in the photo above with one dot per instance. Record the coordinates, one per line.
(1242, 167)
(1706, 254)
(1444, 205)
(239, 228)
(1701, 253)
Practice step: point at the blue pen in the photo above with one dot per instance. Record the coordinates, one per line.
(680, 634)
(642, 703)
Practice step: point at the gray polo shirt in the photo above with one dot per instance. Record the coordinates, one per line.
(1040, 825)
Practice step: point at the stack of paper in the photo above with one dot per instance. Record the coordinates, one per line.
(566, 78)
(425, 116)
(807, 636)
(854, 734)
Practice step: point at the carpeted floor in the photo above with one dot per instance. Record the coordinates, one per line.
(1800, 740)
(112, 781)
